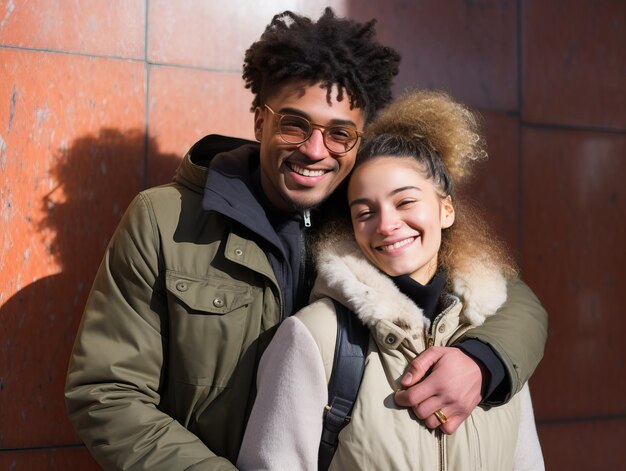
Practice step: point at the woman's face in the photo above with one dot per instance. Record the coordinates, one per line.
(397, 216)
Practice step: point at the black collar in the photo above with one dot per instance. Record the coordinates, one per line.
(425, 296)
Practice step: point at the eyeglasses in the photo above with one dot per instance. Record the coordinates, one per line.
(296, 130)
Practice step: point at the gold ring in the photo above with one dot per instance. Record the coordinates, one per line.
(441, 416)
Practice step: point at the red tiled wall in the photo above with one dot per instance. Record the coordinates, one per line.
(573, 224)
(549, 80)
(100, 99)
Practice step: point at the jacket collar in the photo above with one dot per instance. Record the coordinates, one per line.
(221, 168)
(230, 189)
(194, 168)
(347, 276)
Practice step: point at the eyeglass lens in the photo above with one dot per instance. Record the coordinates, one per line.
(296, 130)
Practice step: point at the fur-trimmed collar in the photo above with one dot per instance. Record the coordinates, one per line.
(347, 276)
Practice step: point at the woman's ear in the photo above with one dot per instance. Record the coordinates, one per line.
(447, 212)
(259, 119)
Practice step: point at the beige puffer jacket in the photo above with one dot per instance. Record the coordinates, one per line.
(285, 426)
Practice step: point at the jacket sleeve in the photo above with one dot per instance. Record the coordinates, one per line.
(116, 367)
(285, 425)
(528, 456)
(517, 334)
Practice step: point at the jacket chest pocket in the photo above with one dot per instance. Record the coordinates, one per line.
(209, 295)
(209, 320)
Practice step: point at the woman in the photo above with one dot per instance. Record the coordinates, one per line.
(418, 269)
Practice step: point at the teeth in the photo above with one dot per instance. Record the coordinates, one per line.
(306, 172)
(386, 248)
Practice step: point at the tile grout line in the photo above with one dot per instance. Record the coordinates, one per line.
(520, 145)
(121, 58)
(147, 69)
(569, 420)
(572, 127)
(43, 448)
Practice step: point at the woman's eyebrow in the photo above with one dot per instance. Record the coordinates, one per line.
(397, 190)
(404, 188)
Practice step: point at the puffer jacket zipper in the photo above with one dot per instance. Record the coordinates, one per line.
(429, 341)
(441, 451)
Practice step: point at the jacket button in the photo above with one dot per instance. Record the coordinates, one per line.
(442, 328)
(390, 339)
(182, 286)
(238, 252)
(217, 302)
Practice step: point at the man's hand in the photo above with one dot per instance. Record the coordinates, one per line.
(454, 386)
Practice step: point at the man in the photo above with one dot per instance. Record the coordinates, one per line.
(200, 271)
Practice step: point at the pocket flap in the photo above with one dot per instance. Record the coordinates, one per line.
(211, 294)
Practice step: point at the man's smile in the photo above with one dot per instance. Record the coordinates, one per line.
(305, 171)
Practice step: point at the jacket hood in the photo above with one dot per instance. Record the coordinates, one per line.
(221, 168)
(194, 168)
(347, 276)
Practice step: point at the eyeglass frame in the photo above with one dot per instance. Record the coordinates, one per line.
(312, 126)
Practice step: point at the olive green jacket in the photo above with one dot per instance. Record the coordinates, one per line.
(163, 368)
(164, 360)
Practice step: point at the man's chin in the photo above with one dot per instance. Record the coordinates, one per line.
(300, 206)
(301, 203)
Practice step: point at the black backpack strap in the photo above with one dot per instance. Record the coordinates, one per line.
(345, 379)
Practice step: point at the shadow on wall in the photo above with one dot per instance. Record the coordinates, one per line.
(97, 177)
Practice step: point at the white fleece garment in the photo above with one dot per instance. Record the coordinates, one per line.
(528, 456)
(285, 426)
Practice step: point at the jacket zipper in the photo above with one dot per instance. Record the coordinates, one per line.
(441, 450)
(429, 341)
(302, 282)
(429, 335)
(306, 215)
(302, 291)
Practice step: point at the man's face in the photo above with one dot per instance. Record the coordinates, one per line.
(296, 177)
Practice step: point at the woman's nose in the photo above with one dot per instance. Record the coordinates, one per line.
(388, 222)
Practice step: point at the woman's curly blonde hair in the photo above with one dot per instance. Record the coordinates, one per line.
(435, 119)
(442, 136)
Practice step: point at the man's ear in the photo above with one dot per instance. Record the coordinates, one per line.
(447, 212)
(259, 119)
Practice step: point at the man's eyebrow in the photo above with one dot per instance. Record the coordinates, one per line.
(302, 114)
(391, 193)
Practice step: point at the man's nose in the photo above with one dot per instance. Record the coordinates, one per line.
(314, 147)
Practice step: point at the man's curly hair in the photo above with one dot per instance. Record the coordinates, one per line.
(332, 51)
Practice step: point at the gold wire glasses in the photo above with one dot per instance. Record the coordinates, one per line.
(296, 130)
